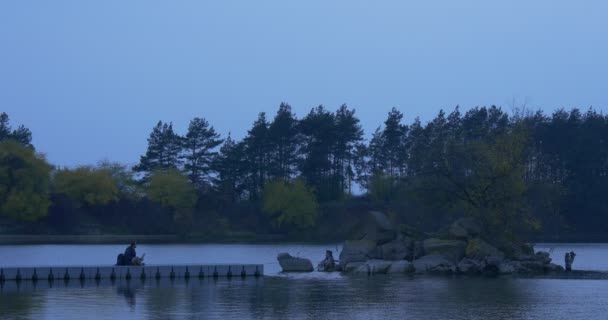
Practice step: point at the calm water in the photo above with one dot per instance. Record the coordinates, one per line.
(307, 296)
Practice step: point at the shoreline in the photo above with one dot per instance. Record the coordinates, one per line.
(42, 239)
(24, 239)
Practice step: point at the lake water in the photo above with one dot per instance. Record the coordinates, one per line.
(293, 296)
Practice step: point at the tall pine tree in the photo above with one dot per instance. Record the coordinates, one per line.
(164, 147)
(199, 151)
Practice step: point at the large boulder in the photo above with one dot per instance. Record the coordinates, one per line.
(479, 249)
(352, 266)
(398, 249)
(400, 267)
(418, 250)
(471, 266)
(290, 263)
(374, 267)
(379, 229)
(358, 251)
(465, 228)
(452, 250)
(509, 267)
(433, 263)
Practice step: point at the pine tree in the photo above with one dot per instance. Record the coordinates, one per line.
(164, 147)
(198, 153)
(22, 134)
(319, 136)
(231, 170)
(257, 156)
(348, 135)
(283, 144)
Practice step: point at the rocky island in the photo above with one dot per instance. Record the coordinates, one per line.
(460, 249)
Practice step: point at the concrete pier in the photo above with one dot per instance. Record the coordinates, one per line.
(130, 272)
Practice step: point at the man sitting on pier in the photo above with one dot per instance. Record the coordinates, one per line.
(130, 258)
(130, 254)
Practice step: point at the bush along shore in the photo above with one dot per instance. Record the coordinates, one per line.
(460, 249)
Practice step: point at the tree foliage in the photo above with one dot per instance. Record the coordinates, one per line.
(164, 148)
(22, 134)
(516, 173)
(290, 203)
(24, 182)
(86, 186)
(199, 146)
(172, 190)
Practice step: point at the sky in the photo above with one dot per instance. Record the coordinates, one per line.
(91, 78)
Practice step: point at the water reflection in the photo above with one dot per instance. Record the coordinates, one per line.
(128, 291)
(379, 297)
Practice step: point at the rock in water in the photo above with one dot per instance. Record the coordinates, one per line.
(379, 229)
(433, 263)
(479, 249)
(374, 267)
(396, 250)
(450, 249)
(294, 264)
(399, 267)
(357, 251)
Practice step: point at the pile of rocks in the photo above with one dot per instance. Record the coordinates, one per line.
(383, 249)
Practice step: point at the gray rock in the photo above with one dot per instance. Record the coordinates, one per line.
(470, 266)
(357, 251)
(379, 266)
(479, 249)
(373, 267)
(451, 249)
(509, 267)
(379, 229)
(465, 227)
(363, 269)
(543, 256)
(398, 267)
(534, 267)
(352, 266)
(418, 249)
(381, 220)
(433, 263)
(555, 268)
(395, 250)
(294, 264)
(494, 260)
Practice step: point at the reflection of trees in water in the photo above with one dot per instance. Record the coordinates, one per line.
(17, 305)
(161, 300)
(129, 291)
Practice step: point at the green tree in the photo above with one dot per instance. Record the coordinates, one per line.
(199, 144)
(348, 136)
(86, 186)
(24, 182)
(283, 144)
(319, 138)
(291, 203)
(164, 147)
(122, 177)
(172, 190)
(257, 155)
(231, 170)
(22, 134)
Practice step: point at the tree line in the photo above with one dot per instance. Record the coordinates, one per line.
(520, 173)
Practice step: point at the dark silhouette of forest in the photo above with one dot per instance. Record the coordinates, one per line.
(525, 174)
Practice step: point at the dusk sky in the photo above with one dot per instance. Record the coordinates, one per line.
(91, 78)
